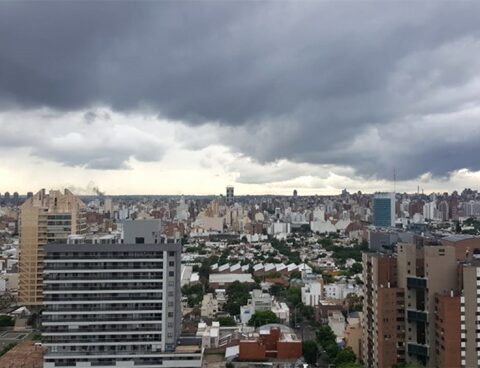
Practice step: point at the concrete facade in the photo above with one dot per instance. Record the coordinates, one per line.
(44, 218)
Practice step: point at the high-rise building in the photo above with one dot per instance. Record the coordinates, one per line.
(410, 301)
(424, 273)
(470, 318)
(384, 209)
(447, 325)
(44, 218)
(108, 206)
(230, 197)
(383, 312)
(114, 304)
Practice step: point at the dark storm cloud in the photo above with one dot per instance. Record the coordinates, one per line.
(305, 81)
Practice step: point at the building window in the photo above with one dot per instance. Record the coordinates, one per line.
(171, 263)
(139, 240)
(171, 254)
(171, 273)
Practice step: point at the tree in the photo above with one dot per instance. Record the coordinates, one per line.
(356, 268)
(327, 278)
(261, 318)
(277, 290)
(237, 295)
(295, 275)
(350, 365)
(6, 321)
(294, 296)
(227, 321)
(327, 340)
(345, 356)
(194, 294)
(310, 351)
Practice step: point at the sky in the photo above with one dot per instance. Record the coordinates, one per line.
(187, 97)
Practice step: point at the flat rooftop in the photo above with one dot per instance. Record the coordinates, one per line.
(24, 354)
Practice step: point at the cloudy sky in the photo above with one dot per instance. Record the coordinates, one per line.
(188, 97)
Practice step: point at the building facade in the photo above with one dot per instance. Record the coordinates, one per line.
(44, 218)
(383, 313)
(469, 316)
(111, 305)
(384, 209)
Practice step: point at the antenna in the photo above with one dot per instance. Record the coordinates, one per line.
(394, 180)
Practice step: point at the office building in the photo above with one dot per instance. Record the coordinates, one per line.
(230, 197)
(44, 218)
(115, 304)
(384, 209)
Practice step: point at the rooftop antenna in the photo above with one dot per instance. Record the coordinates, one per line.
(394, 181)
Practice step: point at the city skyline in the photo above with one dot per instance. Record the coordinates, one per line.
(187, 98)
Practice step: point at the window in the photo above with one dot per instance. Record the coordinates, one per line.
(171, 263)
(171, 254)
(139, 240)
(171, 273)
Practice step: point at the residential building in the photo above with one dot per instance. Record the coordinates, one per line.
(312, 293)
(384, 209)
(271, 341)
(383, 312)
(44, 218)
(447, 329)
(469, 325)
(209, 307)
(114, 304)
(424, 273)
(353, 333)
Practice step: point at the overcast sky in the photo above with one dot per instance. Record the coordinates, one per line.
(188, 97)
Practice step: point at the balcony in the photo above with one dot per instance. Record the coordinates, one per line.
(416, 282)
(418, 350)
(416, 316)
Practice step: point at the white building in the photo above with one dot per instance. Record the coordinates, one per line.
(312, 293)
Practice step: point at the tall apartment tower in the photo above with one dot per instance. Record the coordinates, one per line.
(230, 197)
(425, 273)
(111, 305)
(44, 218)
(383, 312)
(470, 318)
(384, 209)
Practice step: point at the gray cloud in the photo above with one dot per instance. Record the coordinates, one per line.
(312, 82)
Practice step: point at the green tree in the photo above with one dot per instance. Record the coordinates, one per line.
(327, 340)
(278, 290)
(310, 351)
(356, 268)
(345, 356)
(6, 321)
(194, 294)
(350, 365)
(294, 296)
(227, 321)
(295, 275)
(261, 318)
(237, 295)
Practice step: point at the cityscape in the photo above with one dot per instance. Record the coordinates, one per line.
(346, 280)
(239, 184)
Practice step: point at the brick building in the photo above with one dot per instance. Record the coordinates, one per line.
(271, 342)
